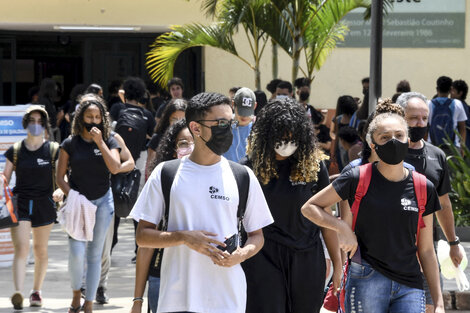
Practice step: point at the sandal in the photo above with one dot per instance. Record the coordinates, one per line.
(74, 310)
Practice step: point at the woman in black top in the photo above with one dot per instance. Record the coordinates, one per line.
(89, 156)
(384, 274)
(288, 274)
(33, 158)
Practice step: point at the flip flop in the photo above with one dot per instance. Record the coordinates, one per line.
(74, 310)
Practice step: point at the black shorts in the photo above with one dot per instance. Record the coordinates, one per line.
(283, 280)
(39, 212)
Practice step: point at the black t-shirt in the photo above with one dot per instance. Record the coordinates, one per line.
(88, 172)
(153, 143)
(30, 166)
(431, 162)
(285, 198)
(387, 223)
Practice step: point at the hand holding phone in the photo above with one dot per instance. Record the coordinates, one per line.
(231, 244)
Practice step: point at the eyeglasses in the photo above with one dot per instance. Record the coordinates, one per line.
(221, 123)
(183, 144)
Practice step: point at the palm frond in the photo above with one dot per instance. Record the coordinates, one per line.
(388, 6)
(168, 46)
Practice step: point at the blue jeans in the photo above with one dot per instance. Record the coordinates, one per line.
(153, 293)
(94, 249)
(369, 291)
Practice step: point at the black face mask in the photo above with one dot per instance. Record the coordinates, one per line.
(221, 139)
(392, 152)
(303, 96)
(417, 133)
(89, 126)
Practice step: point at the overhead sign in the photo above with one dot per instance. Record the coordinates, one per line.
(412, 24)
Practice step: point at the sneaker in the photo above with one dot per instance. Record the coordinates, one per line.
(35, 299)
(17, 301)
(101, 296)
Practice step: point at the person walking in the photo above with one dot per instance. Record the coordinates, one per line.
(391, 238)
(89, 156)
(31, 158)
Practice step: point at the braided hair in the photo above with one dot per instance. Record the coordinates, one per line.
(284, 120)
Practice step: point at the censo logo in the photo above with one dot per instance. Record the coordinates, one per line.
(7, 123)
(213, 190)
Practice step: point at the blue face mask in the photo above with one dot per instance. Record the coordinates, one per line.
(35, 129)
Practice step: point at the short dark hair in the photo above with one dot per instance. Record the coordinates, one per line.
(365, 80)
(261, 101)
(284, 84)
(443, 84)
(349, 134)
(301, 82)
(234, 89)
(346, 105)
(271, 87)
(461, 86)
(134, 88)
(403, 86)
(114, 86)
(201, 103)
(175, 81)
(94, 88)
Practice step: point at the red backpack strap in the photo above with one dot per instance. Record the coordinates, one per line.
(365, 174)
(419, 182)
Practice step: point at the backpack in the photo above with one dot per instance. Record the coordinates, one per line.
(132, 126)
(53, 148)
(365, 174)
(442, 121)
(168, 173)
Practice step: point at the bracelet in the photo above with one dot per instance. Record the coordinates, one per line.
(138, 299)
(455, 242)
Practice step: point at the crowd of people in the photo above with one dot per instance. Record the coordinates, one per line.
(241, 203)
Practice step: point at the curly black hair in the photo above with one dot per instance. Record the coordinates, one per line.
(201, 103)
(134, 88)
(172, 106)
(284, 120)
(167, 147)
(85, 101)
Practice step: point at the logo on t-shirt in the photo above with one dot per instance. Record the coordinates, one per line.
(407, 205)
(42, 162)
(97, 152)
(213, 190)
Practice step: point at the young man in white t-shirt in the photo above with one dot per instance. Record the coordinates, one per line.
(195, 275)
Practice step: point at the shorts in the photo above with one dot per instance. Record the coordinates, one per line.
(39, 212)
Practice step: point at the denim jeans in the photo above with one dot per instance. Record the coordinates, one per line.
(369, 291)
(153, 293)
(94, 249)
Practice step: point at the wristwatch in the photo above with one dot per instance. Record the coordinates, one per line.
(455, 242)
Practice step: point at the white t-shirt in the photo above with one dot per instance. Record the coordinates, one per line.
(459, 116)
(201, 198)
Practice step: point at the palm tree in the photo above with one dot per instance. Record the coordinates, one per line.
(231, 16)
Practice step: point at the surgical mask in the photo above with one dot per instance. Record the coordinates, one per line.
(286, 149)
(221, 139)
(35, 129)
(89, 126)
(417, 133)
(392, 152)
(303, 96)
(280, 97)
(182, 151)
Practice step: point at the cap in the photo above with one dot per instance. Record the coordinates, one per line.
(245, 101)
(36, 107)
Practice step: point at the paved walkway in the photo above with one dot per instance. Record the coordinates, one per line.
(57, 292)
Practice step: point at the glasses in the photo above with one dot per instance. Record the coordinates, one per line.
(221, 123)
(183, 144)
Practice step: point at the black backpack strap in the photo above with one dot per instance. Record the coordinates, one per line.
(243, 183)
(167, 176)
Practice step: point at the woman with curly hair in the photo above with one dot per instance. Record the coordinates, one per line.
(174, 111)
(288, 274)
(175, 143)
(89, 156)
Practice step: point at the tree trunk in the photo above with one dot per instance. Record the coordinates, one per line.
(257, 77)
(275, 60)
(296, 55)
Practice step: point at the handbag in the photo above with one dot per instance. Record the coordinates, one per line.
(125, 187)
(9, 207)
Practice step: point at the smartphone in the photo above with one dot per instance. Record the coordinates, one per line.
(231, 244)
